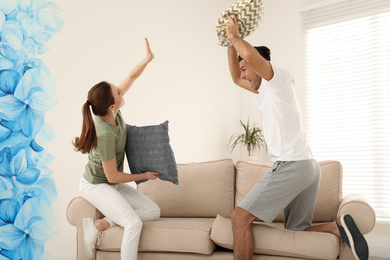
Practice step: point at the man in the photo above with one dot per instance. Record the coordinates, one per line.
(292, 183)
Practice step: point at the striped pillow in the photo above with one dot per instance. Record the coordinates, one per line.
(249, 13)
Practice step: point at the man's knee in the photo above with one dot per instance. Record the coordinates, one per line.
(240, 216)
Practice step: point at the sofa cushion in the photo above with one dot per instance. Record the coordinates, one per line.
(205, 190)
(148, 149)
(272, 240)
(329, 193)
(191, 235)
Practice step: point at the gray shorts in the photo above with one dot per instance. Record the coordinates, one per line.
(291, 186)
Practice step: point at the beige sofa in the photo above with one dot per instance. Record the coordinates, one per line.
(195, 222)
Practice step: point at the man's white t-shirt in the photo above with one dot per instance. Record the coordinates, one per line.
(282, 120)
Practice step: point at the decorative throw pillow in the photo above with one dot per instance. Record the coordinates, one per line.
(249, 13)
(148, 149)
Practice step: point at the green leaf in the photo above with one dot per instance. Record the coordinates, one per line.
(251, 138)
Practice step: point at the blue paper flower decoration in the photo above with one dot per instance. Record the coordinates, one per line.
(27, 92)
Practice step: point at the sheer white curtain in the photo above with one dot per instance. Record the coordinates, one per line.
(347, 93)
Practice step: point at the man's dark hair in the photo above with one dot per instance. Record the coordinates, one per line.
(263, 51)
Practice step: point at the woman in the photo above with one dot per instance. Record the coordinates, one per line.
(103, 182)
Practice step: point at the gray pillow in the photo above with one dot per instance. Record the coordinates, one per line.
(148, 149)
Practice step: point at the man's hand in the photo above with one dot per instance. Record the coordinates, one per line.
(231, 27)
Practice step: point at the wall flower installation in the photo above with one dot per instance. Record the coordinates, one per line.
(27, 92)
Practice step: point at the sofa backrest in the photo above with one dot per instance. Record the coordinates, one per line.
(205, 190)
(208, 189)
(329, 194)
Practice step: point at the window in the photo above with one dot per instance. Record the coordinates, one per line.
(347, 94)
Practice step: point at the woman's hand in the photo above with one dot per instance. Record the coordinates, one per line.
(151, 175)
(137, 70)
(149, 53)
(231, 27)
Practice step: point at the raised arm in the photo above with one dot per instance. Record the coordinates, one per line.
(235, 72)
(137, 70)
(260, 65)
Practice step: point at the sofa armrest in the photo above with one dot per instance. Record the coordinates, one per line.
(361, 210)
(78, 209)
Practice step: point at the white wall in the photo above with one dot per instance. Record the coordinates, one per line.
(188, 82)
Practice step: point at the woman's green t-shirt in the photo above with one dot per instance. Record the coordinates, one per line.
(111, 143)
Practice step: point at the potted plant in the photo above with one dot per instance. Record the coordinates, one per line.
(252, 138)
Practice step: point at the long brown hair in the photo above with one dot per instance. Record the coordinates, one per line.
(100, 98)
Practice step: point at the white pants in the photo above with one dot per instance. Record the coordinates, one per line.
(124, 206)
